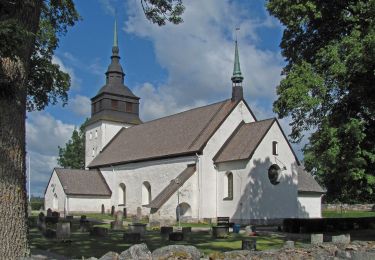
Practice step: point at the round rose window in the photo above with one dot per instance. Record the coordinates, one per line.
(274, 173)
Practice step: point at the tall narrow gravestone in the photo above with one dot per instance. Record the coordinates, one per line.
(103, 209)
(117, 224)
(63, 231)
(139, 214)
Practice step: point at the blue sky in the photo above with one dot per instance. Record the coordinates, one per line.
(172, 68)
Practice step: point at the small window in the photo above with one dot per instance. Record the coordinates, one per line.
(129, 107)
(228, 186)
(114, 104)
(93, 152)
(275, 148)
(274, 173)
(96, 133)
(90, 135)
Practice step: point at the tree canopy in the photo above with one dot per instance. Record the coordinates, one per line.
(73, 154)
(162, 11)
(328, 89)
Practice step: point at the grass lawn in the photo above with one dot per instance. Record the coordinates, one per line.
(347, 214)
(83, 245)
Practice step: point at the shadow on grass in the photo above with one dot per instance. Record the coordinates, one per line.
(84, 245)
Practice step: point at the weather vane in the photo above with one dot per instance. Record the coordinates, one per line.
(237, 29)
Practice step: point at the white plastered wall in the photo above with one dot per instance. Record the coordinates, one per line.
(98, 136)
(87, 204)
(309, 205)
(158, 173)
(254, 197)
(54, 187)
(207, 172)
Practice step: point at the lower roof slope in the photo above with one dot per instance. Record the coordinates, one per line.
(83, 182)
(244, 141)
(307, 183)
(183, 133)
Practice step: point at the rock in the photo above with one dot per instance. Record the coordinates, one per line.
(176, 252)
(341, 239)
(238, 254)
(363, 255)
(139, 251)
(110, 256)
(316, 239)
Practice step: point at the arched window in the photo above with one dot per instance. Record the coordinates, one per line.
(228, 186)
(122, 195)
(183, 210)
(55, 202)
(146, 193)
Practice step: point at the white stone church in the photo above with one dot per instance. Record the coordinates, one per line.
(213, 161)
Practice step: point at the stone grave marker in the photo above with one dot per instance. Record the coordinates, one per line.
(341, 239)
(49, 212)
(63, 231)
(139, 213)
(118, 223)
(316, 239)
(249, 244)
(289, 244)
(112, 210)
(103, 209)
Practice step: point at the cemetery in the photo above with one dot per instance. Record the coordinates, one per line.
(97, 235)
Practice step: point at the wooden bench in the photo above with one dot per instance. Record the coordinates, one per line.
(222, 221)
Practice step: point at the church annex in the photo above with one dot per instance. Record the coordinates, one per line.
(213, 161)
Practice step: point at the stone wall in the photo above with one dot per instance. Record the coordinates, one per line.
(349, 207)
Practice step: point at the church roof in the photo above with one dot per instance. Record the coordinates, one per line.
(307, 183)
(172, 187)
(180, 134)
(244, 141)
(83, 182)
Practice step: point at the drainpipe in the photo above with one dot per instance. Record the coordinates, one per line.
(199, 185)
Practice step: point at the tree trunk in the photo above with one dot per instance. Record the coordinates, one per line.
(13, 78)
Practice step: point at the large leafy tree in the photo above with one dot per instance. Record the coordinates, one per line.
(73, 154)
(328, 89)
(29, 31)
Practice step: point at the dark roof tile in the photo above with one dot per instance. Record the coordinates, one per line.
(83, 182)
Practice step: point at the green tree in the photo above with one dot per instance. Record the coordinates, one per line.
(29, 31)
(162, 11)
(328, 88)
(73, 154)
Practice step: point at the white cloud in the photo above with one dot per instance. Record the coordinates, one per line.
(75, 81)
(109, 6)
(80, 105)
(44, 134)
(198, 54)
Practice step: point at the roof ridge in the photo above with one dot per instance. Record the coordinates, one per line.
(205, 127)
(157, 119)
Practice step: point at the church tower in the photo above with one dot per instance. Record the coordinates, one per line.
(114, 107)
(237, 78)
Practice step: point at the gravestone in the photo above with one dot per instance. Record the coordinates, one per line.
(220, 232)
(103, 209)
(112, 210)
(186, 230)
(341, 239)
(125, 213)
(84, 224)
(137, 228)
(289, 244)
(118, 223)
(55, 214)
(176, 236)
(99, 231)
(166, 230)
(249, 244)
(63, 231)
(316, 239)
(139, 213)
(132, 238)
(49, 212)
(40, 220)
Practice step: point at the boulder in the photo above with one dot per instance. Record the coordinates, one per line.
(176, 252)
(139, 251)
(110, 256)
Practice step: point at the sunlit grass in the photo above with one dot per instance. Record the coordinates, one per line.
(347, 214)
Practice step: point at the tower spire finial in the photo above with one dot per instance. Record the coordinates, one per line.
(237, 78)
(115, 40)
(237, 75)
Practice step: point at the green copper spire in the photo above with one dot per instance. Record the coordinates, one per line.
(115, 40)
(237, 75)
